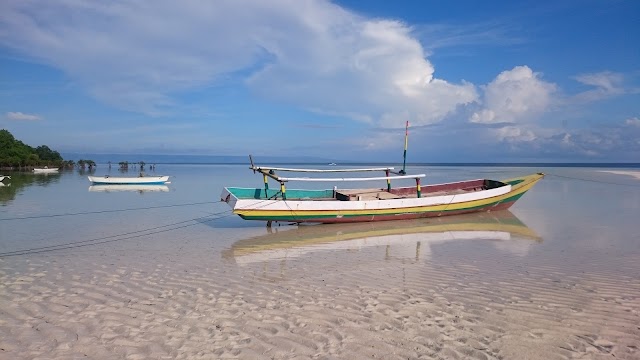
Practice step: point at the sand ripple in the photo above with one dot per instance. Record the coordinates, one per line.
(335, 306)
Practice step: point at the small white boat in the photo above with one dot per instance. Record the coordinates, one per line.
(2, 177)
(122, 180)
(45, 170)
(138, 188)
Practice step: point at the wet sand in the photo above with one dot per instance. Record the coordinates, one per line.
(458, 299)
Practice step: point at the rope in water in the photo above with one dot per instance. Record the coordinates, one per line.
(125, 236)
(104, 211)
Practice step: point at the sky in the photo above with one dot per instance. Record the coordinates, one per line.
(478, 81)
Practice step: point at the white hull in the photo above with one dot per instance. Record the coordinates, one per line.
(296, 205)
(2, 177)
(140, 180)
(45, 171)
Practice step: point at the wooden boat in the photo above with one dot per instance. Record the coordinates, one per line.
(370, 204)
(408, 237)
(123, 180)
(45, 170)
(2, 177)
(128, 187)
(374, 204)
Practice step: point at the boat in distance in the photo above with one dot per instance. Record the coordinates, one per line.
(128, 180)
(2, 177)
(372, 204)
(45, 170)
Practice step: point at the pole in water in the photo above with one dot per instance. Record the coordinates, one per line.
(406, 142)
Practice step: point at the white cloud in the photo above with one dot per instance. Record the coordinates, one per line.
(606, 84)
(514, 95)
(312, 54)
(614, 143)
(514, 134)
(19, 116)
(633, 122)
(606, 80)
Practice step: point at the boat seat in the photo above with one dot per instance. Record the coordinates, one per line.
(365, 194)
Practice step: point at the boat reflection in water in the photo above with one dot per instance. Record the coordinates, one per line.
(403, 238)
(137, 188)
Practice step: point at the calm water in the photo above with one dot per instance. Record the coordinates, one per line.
(594, 219)
(172, 274)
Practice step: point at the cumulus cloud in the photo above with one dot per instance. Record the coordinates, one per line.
(309, 53)
(19, 116)
(614, 142)
(514, 95)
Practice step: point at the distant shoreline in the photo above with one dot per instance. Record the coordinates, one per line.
(635, 174)
(570, 165)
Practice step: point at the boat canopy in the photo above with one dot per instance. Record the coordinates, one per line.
(258, 168)
(270, 172)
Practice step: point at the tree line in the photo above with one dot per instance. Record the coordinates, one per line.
(16, 154)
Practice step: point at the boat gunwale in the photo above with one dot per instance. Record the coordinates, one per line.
(413, 204)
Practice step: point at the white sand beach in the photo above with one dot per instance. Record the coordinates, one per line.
(358, 304)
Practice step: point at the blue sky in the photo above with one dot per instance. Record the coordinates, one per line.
(479, 81)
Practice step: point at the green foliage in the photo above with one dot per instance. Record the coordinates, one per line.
(46, 154)
(14, 153)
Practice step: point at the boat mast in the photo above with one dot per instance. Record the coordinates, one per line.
(406, 142)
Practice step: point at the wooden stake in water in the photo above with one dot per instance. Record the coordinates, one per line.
(406, 142)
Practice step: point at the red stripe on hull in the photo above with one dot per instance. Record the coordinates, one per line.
(504, 205)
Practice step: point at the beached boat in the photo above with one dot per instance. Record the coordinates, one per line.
(124, 180)
(45, 170)
(2, 177)
(373, 204)
(127, 187)
(410, 238)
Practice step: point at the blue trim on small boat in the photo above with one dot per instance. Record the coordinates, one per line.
(129, 183)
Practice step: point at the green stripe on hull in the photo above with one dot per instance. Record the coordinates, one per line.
(253, 193)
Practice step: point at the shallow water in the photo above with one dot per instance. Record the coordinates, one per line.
(173, 274)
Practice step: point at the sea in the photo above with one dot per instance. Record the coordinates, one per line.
(581, 211)
(575, 235)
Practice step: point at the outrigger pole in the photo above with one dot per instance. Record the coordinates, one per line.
(406, 142)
